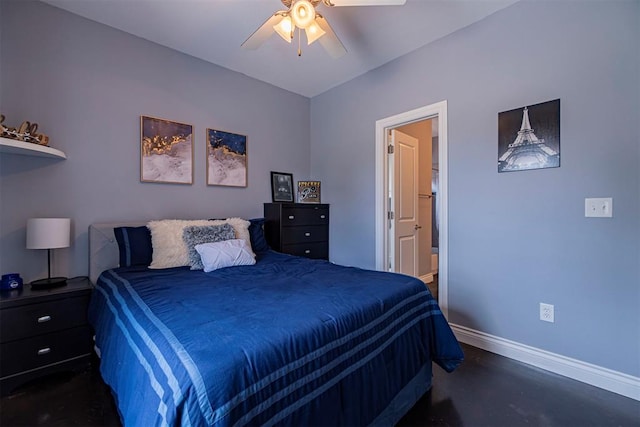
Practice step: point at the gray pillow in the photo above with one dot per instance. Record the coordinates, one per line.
(196, 235)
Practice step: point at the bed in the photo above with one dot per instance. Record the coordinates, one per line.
(286, 341)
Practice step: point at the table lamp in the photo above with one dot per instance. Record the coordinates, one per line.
(48, 233)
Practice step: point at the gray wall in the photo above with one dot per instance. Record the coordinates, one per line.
(86, 85)
(515, 239)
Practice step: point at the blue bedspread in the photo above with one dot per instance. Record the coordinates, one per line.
(286, 341)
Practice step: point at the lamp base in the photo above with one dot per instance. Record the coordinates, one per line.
(51, 282)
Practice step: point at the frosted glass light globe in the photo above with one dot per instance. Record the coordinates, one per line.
(303, 13)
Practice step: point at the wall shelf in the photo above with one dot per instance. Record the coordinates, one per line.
(12, 146)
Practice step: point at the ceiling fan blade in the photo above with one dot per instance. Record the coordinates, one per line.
(329, 40)
(368, 2)
(265, 31)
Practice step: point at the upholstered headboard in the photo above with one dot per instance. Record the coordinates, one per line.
(103, 248)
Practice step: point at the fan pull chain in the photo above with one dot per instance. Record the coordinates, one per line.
(299, 43)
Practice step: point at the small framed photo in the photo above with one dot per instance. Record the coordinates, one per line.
(308, 191)
(529, 137)
(166, 151)
(281, 187)
(226, 158)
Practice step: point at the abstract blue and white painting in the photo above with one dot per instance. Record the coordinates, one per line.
(226, 158)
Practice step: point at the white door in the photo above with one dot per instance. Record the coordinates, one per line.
(404, 200)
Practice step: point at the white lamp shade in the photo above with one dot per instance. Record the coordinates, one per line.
(313, 32)
(48, 233)
(284, 29)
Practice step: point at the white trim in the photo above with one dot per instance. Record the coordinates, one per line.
(439, 110)
(608, 379)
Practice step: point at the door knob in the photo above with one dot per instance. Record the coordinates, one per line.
(417, 227)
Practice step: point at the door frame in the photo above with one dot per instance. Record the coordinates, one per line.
(439, 109)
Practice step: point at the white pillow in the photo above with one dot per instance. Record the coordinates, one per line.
(225, 254)
(169, 248)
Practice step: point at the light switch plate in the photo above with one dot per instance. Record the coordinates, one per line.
(598, 207)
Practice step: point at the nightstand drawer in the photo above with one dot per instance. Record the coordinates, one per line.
(41, 318)
(31, 353)
(294, 216)
(318, 250)
(307, 233)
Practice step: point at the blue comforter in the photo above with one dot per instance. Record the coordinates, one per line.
(286, 341)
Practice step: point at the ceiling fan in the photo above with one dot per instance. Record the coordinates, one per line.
(302, 14)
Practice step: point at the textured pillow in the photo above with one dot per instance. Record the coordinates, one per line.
(241, 227)
(134, 245)
(169, 249)
(194, 235)
(225, 254)
(256, 233)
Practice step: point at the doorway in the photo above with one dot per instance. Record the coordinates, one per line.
(385, 246)
(413, 173)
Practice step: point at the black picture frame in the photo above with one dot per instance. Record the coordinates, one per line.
(281, 187)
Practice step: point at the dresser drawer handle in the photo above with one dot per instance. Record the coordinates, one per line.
(291, 217)
(44, 319)
(307, 234)
(43, 351)
(307, 251)
(322, 217)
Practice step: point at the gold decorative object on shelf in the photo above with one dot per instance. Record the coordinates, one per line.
(26, 132)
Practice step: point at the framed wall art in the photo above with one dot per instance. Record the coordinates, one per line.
(308, 191)
(281, 187)
(529, 137)
(226, 158)
(166, 151)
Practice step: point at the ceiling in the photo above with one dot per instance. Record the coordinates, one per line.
(213, 30)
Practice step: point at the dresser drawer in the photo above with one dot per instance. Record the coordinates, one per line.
(318, 250)
(31, 353)
(41, 318)
(295, 216)
(298, 229)
(305, 233)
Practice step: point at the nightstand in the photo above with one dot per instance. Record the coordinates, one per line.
(300, 229)
(43, 332)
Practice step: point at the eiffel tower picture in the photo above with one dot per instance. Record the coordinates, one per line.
(536, 145)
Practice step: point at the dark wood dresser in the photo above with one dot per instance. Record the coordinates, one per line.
(43, 331)
(300, 229)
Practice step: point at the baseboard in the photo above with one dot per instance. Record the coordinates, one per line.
(607, 379)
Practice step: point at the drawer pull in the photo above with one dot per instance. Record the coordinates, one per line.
(44, 319)
(43, 351)
(307, 234)
(322, 217)
(307, 251)
(291, 217)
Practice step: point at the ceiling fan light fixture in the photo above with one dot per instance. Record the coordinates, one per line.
(303, 14)
(313, 32)
(284, 29)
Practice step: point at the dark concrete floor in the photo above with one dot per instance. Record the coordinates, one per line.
(486, 390)
(494, 391)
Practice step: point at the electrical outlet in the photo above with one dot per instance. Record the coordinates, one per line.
(546, 312)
